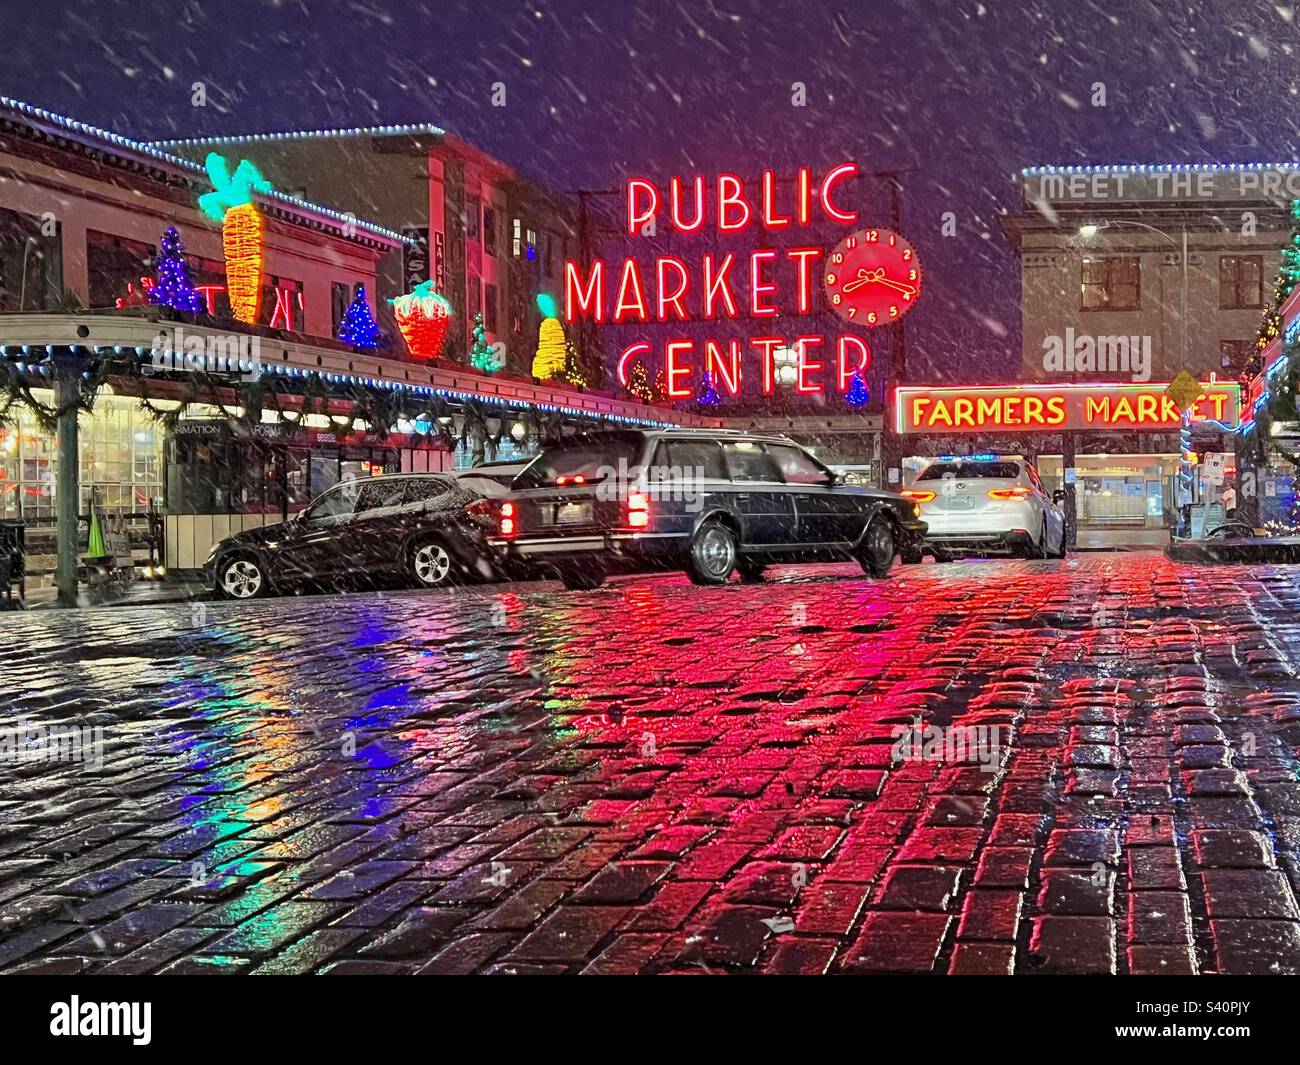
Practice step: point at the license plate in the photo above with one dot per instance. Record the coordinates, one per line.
(961, 503)
(572, 513)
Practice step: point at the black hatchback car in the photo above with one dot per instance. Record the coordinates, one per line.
(424, 530)
(708, 501)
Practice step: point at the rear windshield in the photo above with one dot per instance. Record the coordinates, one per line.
(970, 470)
(591, 458)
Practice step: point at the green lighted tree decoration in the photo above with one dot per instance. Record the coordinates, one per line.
(1288, 275)
(481, 356)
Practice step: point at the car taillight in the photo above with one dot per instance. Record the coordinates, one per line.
(507, 519)
(638, 511)
(564, 479)
(918, 495)
(1018, 492)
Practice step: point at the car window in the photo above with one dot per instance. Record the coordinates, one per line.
(379, 494)
(420, 489)
(796, 465)
(338, 502)
(747, 461)
(970, 471)
(583, 460)
(695, 458)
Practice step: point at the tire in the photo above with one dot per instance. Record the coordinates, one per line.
(876, 550)
(751, 572)
(1038, 548)
(430, 564)
(582, 580)
(713, 554)
(242, 577)
(1063, 551)
(911, 556)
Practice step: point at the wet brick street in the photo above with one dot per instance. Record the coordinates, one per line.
(655, 777)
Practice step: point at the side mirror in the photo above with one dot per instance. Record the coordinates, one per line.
(1059, 496)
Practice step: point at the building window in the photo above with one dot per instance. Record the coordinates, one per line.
(490, 308)
(1112, 284)
(340, 300)
(550, 254)
(1241, 282)
(475, 297)
(473, 205)
(283, 304)
(489, 231)
(1235, 354)
(114, 263)
(29, 263)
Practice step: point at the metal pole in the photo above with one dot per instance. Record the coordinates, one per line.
(1183, 330)
(67, 391)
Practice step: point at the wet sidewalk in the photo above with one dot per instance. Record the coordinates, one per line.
(42, 595)
(1085, 766)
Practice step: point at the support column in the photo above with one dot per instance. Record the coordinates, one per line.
(1071, 506)
(67, 389)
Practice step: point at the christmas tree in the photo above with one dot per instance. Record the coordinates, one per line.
(1288, 275)
(173, 288)
(358, 326)
(552, 350)
(481, 356)
(857, 394)
(708, 395)
(639, 386)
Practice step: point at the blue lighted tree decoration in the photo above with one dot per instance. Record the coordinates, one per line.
(173, 287)
(708, 396)
(857, 394)
(358, 326)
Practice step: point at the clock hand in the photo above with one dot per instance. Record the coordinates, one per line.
(865, 277)
(897, 286)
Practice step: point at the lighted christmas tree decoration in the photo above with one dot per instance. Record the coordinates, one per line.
(857, 394)
(708, 396)
(231, 204)
(173, 287)
(481, 356)
(639, 385)
(358, 326)
(552, 352)
(422, 316)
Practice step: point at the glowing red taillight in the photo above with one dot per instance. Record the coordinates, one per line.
(1018, 492)
(507, 519)
(638, 511)
(917, 495)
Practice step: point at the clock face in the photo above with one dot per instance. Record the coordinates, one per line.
(873, 277)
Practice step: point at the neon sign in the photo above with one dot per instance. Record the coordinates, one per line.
(763, 284)
(1056, 407)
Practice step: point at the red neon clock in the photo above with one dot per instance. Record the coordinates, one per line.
(873, 277)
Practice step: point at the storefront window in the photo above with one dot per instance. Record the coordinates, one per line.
(114, 263)
(120, 452)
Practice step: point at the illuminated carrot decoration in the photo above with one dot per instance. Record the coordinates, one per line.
(231, 204)
(422, 316)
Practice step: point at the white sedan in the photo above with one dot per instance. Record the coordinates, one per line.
(978, 506)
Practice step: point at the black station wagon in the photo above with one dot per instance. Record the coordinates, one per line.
(711, 502)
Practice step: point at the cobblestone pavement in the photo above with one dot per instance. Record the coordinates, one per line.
(655, 777)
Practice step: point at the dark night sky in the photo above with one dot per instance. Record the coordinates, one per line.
(960, 92)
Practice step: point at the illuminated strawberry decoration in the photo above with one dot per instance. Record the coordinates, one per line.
(422, 316)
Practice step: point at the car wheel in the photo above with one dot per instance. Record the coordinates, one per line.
(241, 577)
(582, 580)
(713, 554)
(431, 564)
(750, 572)
(1038, 548)
(1063, 550)
(876, 551)
(911, 556)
